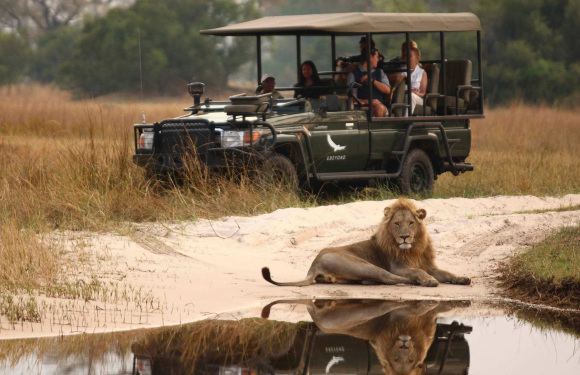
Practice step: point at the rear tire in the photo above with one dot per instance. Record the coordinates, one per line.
(417, 175)
(278, 170)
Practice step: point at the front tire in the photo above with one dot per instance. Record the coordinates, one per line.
(417, 175)
(278, 170)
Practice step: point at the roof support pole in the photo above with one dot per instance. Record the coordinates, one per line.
(259, 56)
(480, 70)
(333, 49)
(369, 75)
(298, 58)
(408, 78)
(443, 64)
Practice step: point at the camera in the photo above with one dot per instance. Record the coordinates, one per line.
(349, 59)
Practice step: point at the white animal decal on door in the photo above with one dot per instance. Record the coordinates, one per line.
(334, 145)
(333, 361)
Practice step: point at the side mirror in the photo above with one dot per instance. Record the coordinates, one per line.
(196, 90)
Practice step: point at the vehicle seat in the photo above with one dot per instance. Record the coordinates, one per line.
(457, 73)
(331, 84)
(398, 105)
(431, 97)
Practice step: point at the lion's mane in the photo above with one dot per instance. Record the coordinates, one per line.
(420, 328)
(421, 255)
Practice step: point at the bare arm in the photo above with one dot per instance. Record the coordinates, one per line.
(422, 90)
(384, 88)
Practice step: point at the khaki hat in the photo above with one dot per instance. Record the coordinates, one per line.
(266, 76)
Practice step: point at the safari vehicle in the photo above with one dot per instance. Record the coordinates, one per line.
(335, 138)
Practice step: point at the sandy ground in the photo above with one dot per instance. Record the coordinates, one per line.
(172, 274)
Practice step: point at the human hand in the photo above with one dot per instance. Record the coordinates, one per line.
(364, 78)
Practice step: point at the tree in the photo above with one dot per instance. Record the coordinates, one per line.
(46, 15)
(53, 48)
(14, 58)
(166, 36)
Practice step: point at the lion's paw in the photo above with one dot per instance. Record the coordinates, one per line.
(430, 282)
(463, 281)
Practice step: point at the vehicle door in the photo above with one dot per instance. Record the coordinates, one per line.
(336, 354)
(338, 144)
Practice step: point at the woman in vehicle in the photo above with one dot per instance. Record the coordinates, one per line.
(309, 77)
(418, 77)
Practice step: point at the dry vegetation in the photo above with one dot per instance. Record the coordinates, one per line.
(214, 340)
(66, 164)
(547, 273)
(520, 150)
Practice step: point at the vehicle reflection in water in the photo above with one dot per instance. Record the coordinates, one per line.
(346, 337)
(334, 337)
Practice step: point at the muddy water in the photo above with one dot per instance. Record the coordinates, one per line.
(323, 337)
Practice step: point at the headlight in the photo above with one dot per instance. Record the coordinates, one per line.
(144, 367)
(146, 141)
(233, 138)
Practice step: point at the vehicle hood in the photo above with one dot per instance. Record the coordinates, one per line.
(275, 120)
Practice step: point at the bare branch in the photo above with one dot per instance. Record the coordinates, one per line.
(46, 15)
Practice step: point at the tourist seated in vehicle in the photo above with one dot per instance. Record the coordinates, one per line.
(351, 62)
(381, 85)
(268, 84)
(311, 86)
(418, 78)
(398, 63)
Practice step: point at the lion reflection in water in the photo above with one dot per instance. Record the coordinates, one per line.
(400, 332)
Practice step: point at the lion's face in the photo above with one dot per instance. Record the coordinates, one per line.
(404, 357)
(404, 226)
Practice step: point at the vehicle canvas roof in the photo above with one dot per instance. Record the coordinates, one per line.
(351, 24)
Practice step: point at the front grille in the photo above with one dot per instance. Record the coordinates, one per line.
(182, 137)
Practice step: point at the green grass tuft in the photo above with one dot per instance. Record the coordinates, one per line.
(549, 272)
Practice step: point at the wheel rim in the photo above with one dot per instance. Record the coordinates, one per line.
(418, 180)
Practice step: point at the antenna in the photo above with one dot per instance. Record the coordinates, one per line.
(141, 72)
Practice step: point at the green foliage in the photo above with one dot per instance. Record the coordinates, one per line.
(166, 35)
(53, 49)
(549, 272)
(533, 56)
(15, 56)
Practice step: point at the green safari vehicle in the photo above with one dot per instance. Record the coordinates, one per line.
(334, 138)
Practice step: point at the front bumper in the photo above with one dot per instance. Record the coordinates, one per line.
(218, 158)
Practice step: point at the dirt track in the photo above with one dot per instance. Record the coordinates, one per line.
(195, 270)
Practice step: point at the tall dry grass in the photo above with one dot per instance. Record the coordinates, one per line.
(67, 164)
(520, 150)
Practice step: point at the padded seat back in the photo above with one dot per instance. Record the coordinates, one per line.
(331, 86)
(398, 100)
(457, 73)
(432, 86)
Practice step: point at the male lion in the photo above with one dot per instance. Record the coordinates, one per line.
(399, 252)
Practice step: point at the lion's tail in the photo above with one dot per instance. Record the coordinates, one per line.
(266, 274)
(266, 310)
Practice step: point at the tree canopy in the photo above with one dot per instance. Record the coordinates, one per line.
(160, 42)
